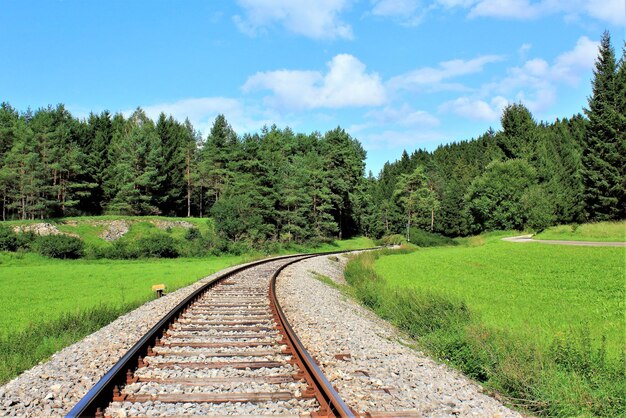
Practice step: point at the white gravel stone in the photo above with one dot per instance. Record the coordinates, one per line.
(381, 373)
(53, 387)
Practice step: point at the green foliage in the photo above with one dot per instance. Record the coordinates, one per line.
(496, 198)
(158, 246)
(193, 234)
(60, 246)
(423, 238)
(8, 239)
(601, 158)
(394, 239)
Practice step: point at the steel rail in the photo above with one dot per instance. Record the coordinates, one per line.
(100, 395)
(331, 399)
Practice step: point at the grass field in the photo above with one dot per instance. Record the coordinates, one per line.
(47, 304)
(543, 325)
(36, 289)
(599, 231)
(533, 289)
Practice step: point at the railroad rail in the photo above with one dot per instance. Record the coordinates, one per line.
(228, 343)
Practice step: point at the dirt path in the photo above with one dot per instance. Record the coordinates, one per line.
(528, 238)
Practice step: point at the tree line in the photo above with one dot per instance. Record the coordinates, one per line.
(528, 175)
(278, 185)
(273, 185)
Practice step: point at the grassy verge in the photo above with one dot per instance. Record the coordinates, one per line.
(23, 349)
(530, 326)
(599, 231)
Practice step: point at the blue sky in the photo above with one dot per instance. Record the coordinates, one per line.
(397, 74)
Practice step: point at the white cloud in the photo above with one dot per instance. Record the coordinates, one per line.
(569, 65)
(535, 84)
(433, 78)
(314, 19)
(404, 115)
(475, 108)
(612, 11)
(407, 12)
(202, 111)
(515, 9)
(346, 84)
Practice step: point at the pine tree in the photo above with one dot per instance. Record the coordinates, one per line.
(601, 171)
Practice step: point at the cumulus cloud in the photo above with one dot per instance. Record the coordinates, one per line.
(535, 83)
(476, 109)
(346, 84)
(407, 12)
(403, 115)
(318, 19)
(434, 78)
(611, 11)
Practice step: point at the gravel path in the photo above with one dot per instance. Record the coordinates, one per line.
(374, 371)
(528, 238)
(54, 387)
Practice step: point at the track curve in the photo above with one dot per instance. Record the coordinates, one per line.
(225, 349)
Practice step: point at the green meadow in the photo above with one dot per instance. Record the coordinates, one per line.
(47, 304)
(598, 231)
(536, 290)
(541, 325)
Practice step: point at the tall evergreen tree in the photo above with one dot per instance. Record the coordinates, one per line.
(601, 171)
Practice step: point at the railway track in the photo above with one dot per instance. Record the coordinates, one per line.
(226, 349)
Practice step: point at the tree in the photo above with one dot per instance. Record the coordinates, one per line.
(620, 94)
(416, 196)
(518, 132)
(134, 175)
(601, 158)
(496, 199)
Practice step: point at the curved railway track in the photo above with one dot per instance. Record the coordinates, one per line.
(225, 349)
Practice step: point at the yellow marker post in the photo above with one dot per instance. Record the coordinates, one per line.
(159, 289)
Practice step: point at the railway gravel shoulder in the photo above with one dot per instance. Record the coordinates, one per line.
(53, 387)
(363, 357)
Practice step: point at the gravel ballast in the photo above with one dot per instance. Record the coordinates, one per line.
(54, 387)
(374, 371)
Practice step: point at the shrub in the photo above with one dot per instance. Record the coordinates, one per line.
(60, 246)
(429, 239)
(395, 239)
(8, 239)
(192, 234)
(159, 246)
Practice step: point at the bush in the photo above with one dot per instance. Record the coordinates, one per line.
(60, 246)
(192, 234)
(395, 239)
(429, 239)
(159, 246)
(8, 239)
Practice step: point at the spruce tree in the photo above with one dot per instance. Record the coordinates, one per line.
(620, 89)
(601, 171)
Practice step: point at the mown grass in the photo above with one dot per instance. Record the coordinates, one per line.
(599, 231)
(542, 326)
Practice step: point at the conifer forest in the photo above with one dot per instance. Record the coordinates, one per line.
(280, 185)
